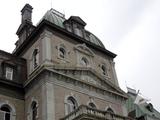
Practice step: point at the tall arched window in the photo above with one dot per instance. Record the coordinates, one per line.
(103, 68)
(62, 52)
(35, 58)
(71, 104)
(5, 112)
(34, 110)
(92, 105)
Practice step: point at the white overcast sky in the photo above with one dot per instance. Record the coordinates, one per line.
(129, 28)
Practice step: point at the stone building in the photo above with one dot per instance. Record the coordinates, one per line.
(59, 70)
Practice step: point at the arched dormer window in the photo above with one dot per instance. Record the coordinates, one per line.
(5, 112)
(35, 59)
(92, 105)
(34, 110)
(84, 61)
(71, 104)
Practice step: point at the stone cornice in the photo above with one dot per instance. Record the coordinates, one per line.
(75, 81)
(92, 71)
(48, 25)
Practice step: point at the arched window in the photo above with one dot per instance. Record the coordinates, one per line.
(71, 104)
(34, 110)
(84, 61)
(35, 58)
(62, 52)
(103, 68)
(110, 110)
(5, 112)
(92, 105)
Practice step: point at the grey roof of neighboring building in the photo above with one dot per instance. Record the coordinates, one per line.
(58, 18)
(141, 109)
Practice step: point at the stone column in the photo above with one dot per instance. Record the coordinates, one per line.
(46, 47)
(48, 102)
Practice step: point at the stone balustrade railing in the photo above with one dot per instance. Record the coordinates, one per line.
(84, 110)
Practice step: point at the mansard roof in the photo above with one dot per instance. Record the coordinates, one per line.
(58, 18)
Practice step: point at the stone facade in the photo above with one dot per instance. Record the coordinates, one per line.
(60, 66)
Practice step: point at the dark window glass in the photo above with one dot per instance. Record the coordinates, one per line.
(62, 52)
(34, 110)
(103, 70)
(5, 111)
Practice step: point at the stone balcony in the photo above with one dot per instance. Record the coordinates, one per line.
(84, 112)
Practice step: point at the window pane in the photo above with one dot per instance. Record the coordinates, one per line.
(9, 73)
(71, 104)
(2, 115)
(5, 114)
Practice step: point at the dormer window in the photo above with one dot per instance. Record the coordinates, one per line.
(9, 73)
(68, 27)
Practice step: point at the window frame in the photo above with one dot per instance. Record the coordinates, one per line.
(34, 110)
(104, 69)
(72, 104)
(62, 52)
(35, 58)
(8, 72)
(84, 61)
(7, 113)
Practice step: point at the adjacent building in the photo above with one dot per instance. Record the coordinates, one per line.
(139, 108)
(59, 70)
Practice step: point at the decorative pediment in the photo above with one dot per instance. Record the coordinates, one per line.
(77, 19)
(89, 76)
(84, 49)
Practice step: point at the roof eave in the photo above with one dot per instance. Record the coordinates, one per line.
(45, 23)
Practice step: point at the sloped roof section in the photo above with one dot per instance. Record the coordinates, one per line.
(58, 18)
(55, 17)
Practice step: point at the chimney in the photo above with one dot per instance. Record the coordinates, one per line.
(26, 26)
(26, 14)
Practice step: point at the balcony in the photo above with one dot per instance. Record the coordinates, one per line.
(84, 112)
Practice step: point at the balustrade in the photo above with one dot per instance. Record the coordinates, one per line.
(86, 112)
